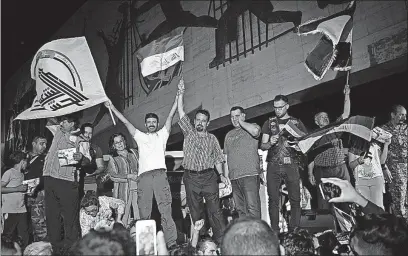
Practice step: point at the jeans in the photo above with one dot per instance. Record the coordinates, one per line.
(372, 189)
(62, 199)
(155, 183)
(205, 184)
(17, 222)
(290, 174)
(245, 192)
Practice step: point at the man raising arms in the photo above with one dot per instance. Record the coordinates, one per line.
(202, 152)
(152, 179)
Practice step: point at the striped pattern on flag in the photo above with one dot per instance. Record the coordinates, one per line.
(161, 60)
(293, 129)
(334, 48)
(359, 126)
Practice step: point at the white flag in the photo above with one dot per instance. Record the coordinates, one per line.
(66, 79)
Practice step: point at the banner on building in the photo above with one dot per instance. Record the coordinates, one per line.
(359, 126)
(161, 60)
(66, 79)
(334, 48)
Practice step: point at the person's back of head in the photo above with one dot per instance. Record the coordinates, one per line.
(99, 242)
(38, 248)
(380, 234)
(250, 236)
(298, 242)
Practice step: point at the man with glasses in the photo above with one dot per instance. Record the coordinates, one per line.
(331, 161)
(283, 161)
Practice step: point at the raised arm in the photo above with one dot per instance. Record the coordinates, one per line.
(180, 103)
(266, 144)
(171, 114)
(52, 125)
(347, 104)
(253, 129)
(129, 126)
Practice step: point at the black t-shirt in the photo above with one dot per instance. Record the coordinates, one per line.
(276, 153)
(35, 170)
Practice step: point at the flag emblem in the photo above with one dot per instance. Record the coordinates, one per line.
(66, 79)
(334, 48)
(161, 60)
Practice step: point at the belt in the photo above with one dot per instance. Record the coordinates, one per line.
(200, 172)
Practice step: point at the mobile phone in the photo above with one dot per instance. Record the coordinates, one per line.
(146, 237)
(329, 190)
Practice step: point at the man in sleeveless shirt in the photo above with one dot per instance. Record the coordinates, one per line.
(283, 162)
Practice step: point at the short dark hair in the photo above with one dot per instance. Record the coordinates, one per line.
(204, 112)
(249, 236)
(73, 117)
(386, 234)
(281, 97)
(16, 157)
(298, 242)
(238, 108)
(36, 138)
(90, 198)
(86, 125)
(151, 115)
(101, 242)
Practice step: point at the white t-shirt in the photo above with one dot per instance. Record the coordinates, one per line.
(152, 147)
(371, 169)
(13, 202)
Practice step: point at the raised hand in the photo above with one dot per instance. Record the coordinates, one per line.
(199, 224)
(346, 90)
(181, 85)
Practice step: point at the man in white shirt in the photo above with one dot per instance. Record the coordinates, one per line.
(152, 178)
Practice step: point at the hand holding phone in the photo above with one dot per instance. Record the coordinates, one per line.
(329, 190)
(146, 238)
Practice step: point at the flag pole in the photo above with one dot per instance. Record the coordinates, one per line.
(111, 114)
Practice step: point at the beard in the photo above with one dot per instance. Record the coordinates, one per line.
(199, 128)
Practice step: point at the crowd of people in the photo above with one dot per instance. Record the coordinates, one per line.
(56, 216)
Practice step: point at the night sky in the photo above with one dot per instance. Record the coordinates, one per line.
(27, 25)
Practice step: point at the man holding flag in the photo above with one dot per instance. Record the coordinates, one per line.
(67, 82)
(330, 161)
(283, 160)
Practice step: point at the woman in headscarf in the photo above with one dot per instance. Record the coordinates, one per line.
(122, 169)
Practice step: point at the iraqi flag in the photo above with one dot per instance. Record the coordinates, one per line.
(161, 60)
(334, 48)
(357, 126)
(66, 79)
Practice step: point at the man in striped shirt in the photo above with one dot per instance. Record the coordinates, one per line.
(202, 152)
